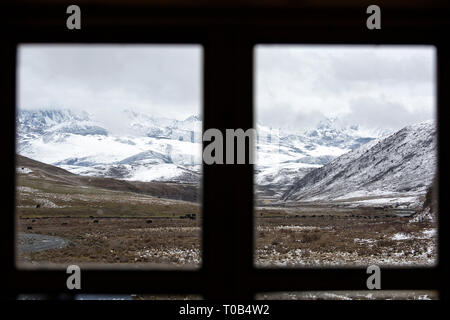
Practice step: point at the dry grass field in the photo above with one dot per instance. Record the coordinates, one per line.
(103, 221)
(164, 242)
(280, 241)
(107, 221)
(344, 240)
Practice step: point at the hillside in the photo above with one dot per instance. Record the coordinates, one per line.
(403, 163)
(142, 148)
(32, 171)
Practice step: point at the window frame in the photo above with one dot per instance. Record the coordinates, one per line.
(228, 36)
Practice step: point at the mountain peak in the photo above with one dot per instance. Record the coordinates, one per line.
(193, 118)
(404, 161)
(327, 122)
(54, 115)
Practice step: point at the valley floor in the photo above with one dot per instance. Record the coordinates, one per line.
(155, 241)
(305, 240)
(343, 240)
(65, 219)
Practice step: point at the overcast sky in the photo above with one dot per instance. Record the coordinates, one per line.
(103, 79)
(375, 86)
(296, 86)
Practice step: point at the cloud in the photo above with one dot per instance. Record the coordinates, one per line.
(295, 86)
(105, 79)
(379, 86)
(381, 113)
(287, 118)
(383, 65)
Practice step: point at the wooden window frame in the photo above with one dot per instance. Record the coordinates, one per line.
(228, 36)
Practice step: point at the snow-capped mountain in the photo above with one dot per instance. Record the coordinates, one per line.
(149, 148)
(146, 149)
(285, 157)
(403, 163)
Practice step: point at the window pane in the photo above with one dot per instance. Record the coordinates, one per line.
(108, 155)
(346, 155)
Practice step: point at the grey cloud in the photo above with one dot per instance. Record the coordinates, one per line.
(285, 117)
(395, 64)
(105, 78)
(382, 86)
(296, 86)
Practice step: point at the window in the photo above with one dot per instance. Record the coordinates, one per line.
(228, 40)
(108, 155)
(347, 155)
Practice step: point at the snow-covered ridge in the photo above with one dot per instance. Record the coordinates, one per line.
(402, 163)
(284, 157)
(146, 149)
(152, 148)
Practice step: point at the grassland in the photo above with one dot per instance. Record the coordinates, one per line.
(105, 223)
(321, 240)
(109, 224)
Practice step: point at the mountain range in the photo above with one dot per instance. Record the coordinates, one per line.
(326, 162)
(401, 164)
(145, 149)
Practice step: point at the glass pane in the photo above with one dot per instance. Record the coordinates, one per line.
(108, 155)
(346, 155)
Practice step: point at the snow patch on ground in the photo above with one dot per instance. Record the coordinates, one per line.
(401, 236)
(430, 233)
(400, 200)
(364, 241)
(173, 255)
(290, 228)
(24, 170)
(45, 203)
(269, 257)
(26, 189)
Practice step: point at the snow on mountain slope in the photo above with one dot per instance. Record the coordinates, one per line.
(139, 124)
(149, 148)
(285, 157)
(48, 122)
(403, 163)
